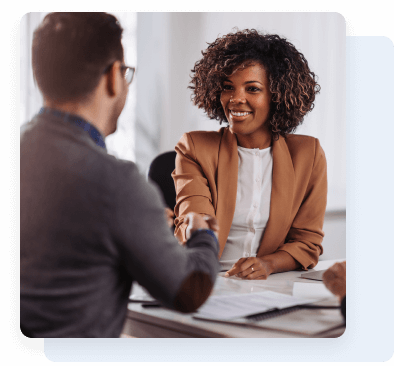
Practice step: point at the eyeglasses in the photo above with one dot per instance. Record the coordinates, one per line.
(129, 72)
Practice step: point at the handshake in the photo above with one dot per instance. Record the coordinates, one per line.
(194, 221)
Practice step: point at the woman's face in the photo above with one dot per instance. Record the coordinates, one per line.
(246, 101)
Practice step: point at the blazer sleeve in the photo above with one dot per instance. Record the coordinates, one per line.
(192, 189)
(304, 239)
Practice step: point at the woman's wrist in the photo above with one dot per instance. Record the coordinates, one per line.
(280, 261)
(268, 263)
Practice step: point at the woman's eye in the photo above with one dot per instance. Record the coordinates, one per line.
(253, 89)
(227, 87)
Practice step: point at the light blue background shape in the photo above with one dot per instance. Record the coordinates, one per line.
(370, 244)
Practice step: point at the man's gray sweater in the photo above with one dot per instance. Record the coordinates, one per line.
(90, 226)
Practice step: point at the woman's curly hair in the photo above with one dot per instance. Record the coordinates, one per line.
(293, 85)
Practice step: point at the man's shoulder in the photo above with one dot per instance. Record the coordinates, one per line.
(72, 147)
(30, 129)
(122, 167)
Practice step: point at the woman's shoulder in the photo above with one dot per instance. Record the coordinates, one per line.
(302, 142)
(203, 139)
(304, 147)
(295, 138)
(205, 136)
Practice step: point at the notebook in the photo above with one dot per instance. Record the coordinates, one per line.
(313, 275)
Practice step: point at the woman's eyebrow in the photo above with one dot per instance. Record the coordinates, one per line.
(246, 82)
(253, 81)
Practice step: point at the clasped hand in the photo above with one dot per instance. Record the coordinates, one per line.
(197, 221)
(251, 268)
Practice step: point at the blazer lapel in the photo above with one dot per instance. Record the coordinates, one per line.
(226, 185)
(281, 198)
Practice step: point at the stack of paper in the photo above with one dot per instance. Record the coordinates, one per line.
(302, 322)
(235, 306)
(139, 294)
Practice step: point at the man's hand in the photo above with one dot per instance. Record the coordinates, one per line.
(196, 221)
(169, 217)
(335, 279)
(251, 268)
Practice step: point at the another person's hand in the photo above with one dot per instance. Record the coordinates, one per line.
(251, 268)
(212, 223)
(335, 279)
(169, 217)
(196, 221)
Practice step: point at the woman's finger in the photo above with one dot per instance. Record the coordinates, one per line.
(246, 272)
(253, 269)
(236, 268)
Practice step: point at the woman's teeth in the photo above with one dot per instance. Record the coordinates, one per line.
(239, 114)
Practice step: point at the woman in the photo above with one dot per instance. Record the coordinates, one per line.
(266, 187)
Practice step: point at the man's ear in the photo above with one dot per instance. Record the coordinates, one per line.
(114, 79)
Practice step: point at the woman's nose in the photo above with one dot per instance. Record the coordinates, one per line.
(238, 97)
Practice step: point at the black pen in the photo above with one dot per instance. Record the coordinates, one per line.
(152, 305)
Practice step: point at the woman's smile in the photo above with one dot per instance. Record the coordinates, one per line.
(238, 115)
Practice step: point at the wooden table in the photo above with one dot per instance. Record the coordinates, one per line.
(160, 322)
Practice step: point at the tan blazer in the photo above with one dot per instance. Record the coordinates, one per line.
(205, 179)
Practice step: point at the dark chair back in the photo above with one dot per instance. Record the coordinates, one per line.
(160, 172)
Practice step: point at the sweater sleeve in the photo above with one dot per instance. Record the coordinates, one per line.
(304, 239)
(192, 189)
(181, 277)
(343, 307)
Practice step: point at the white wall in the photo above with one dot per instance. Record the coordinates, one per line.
(122, 143)
(30, 97)
(170, 43)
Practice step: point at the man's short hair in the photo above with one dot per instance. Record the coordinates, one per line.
(72, 50)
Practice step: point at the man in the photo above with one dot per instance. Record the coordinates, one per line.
(90, 224)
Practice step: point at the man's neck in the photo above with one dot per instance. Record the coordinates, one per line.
(87, 112)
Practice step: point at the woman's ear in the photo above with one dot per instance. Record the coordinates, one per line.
(114, 79)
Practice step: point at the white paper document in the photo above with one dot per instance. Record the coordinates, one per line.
(235, 306)
(311, 290)
(139, 294)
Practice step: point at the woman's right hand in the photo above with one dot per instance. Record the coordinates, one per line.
(197, 221)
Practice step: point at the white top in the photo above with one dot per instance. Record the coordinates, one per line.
(252, 205)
